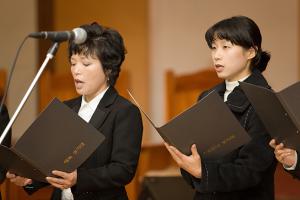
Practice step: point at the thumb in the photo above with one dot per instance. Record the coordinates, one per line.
(194, 150)
(28, 181)
(272, 143)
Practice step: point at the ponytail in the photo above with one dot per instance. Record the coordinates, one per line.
(260, 61)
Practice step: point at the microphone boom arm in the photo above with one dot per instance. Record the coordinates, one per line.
(50, 54)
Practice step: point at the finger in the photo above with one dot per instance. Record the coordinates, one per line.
(13, 180)
(284, 156)
(273, 143)
(175, 157)
(194, 151)
(279, 152)
(28, 181)
(173, 154)
(57, 185)
(166, 144)
(279, 147)
(287, 151)
(57, 181)
(18, 181)
(284, 151)
(64, 175)
(169, 149)
(9, 175)
(177, 152)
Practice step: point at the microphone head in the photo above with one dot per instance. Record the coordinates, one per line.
(80, 35)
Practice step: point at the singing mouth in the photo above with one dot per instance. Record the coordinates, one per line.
(219, 67)
(78, 81)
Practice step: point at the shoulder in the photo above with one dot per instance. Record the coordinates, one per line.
(4, 114)
(123, 104)
(220, 88)
(257, 78)
(125, 113)
(73, 102)
(4, 111)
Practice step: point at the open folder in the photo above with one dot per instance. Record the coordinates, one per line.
(279, 112)
(209, 124)
(57, 140)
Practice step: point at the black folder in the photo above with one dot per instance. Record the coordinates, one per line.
(279, 111)
(209, 124)
(58, 139)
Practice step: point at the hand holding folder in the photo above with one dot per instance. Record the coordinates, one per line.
(279, 112)
(209, 124)
(58, 139)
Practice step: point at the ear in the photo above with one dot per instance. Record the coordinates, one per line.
(251, 53)
(107, 72)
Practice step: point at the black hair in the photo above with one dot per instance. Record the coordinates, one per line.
(242, 31)
(107, 44)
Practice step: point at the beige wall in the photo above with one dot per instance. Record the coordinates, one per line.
(18, 18)
(177, 41)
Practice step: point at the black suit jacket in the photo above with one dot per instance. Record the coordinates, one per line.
(296, 173)
(247, 173)
(106, 172)
(4, 119)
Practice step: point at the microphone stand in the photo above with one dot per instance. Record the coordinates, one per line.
(50, 54)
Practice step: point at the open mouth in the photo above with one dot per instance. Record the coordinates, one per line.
(77, 81)
(219, 67)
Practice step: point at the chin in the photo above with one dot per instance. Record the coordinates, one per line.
(80, 92)
(222, 76)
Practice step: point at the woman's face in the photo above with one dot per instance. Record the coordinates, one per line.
(88, 75)
(232, 62)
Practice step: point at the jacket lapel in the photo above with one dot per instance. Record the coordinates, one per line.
(103, 108)
(77, 103)
(237, 101)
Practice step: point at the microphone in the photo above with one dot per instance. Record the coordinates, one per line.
(78, 35)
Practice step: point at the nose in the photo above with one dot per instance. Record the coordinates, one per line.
(76, 69)
(216, 54)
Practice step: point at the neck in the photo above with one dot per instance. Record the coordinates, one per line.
(90, 97)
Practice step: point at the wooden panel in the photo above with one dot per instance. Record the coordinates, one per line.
(2, 81)
(183, 90)
(152, 158)
(16, 192)
(55, 85)
(286, 187)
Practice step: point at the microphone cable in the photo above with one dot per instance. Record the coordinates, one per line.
(11, 70)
